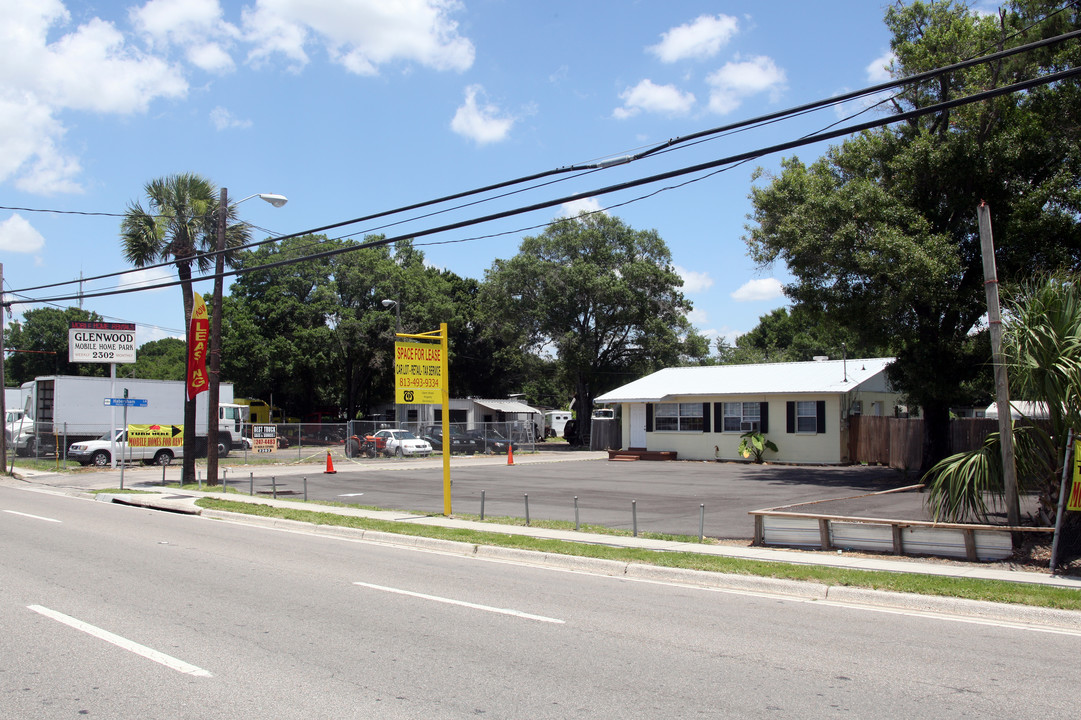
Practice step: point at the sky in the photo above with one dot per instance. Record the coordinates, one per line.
(355, 107)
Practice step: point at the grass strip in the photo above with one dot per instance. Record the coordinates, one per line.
(966, 588)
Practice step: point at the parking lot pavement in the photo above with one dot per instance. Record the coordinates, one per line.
(678, 498)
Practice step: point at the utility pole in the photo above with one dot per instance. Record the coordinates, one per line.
(214, 392)
(1002, 389)
(3, 382)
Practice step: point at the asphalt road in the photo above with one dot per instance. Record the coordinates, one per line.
(212, 619)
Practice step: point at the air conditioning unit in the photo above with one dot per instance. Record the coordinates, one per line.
(748, 426)
(857, 407)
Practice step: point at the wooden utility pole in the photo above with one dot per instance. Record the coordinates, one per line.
(1002, 388)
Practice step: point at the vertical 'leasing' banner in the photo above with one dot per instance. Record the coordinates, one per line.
(198, 343)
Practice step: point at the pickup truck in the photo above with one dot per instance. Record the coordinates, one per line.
(98, 452)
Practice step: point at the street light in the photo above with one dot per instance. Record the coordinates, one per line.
(215, 330)
(397, 311)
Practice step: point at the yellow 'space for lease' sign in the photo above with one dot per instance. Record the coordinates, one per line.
(418, 374)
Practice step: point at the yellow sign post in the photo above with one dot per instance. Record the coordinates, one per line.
(421, 377)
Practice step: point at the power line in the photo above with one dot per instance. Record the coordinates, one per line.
(701, 167)
(582, 168)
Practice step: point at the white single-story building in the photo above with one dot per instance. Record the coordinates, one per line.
(803, 407)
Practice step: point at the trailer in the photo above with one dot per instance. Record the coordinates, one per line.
(66, 409)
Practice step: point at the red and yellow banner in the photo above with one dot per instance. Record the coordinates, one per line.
(1073, 501)
(198, 346)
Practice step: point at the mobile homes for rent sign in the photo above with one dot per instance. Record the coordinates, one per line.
(101, 342)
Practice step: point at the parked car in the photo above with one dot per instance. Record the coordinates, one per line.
(491, 441)
(97, 452)
(403, 442)
(459, 441)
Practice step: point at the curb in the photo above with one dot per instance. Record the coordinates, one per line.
(1022, 615)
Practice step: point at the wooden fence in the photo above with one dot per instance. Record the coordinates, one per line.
(898, 442)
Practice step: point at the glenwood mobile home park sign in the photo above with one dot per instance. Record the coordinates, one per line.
(101, 342)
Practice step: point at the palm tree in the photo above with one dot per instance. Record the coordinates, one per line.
(1042, 342)
(180, 226)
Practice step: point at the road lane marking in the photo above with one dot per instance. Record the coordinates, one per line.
(351, 495)
(36, 517)
(129, 645)
(461, 603)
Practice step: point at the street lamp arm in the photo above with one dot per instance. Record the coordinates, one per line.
(272, 198)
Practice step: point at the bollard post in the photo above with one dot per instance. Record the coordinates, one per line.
(634, 517)
(482, 506)
(274, 487)
(701, 522)
(527, 510)
(199, 480)
(305, 488)
(576, 513)
(251, 483)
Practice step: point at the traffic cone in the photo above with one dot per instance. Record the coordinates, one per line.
(330, 465)
(510, 455)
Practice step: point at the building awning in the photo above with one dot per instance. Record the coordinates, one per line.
(507, 406)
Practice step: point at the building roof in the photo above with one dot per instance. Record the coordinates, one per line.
(507, 406)
(821, 376)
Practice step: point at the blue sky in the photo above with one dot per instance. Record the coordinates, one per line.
(351, 107)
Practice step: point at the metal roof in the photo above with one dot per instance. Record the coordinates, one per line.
(507, 406)
(820, 377)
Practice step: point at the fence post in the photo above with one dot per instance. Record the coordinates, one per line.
(634, 517)
(251, 483)
(274, 487)
(576, 513)
(305, 488)
(527, 510)
(482, 505)
(701, 522)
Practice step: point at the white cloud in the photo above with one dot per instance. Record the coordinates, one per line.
(19, 236)
(698, 317)
(482, 123)
(196, 26)
(88, 68)
(575, 207)
(147, 278)
(360, 35)
(225, 120)
(694, 281)
(698, 40)
(755, 290)
(738, 80)
(664, 99)
(878, 69)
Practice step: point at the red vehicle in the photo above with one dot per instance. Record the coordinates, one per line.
(370, 446)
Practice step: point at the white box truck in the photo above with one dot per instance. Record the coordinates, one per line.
(66, 410)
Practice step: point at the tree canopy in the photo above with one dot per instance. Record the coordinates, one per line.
(881, 234)
(602, 297)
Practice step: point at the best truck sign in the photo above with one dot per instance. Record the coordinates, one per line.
(101, 342)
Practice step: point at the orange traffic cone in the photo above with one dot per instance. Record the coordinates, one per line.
(510, 455)
(330, 465)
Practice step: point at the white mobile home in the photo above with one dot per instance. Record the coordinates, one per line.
(699, 413)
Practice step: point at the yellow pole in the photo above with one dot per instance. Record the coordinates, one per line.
(445, 371)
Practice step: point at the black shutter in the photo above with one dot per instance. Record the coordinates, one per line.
(718, 417)
(763, 417)
(705, 417)
(649, 417)
(820, 409)
(790, 411)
